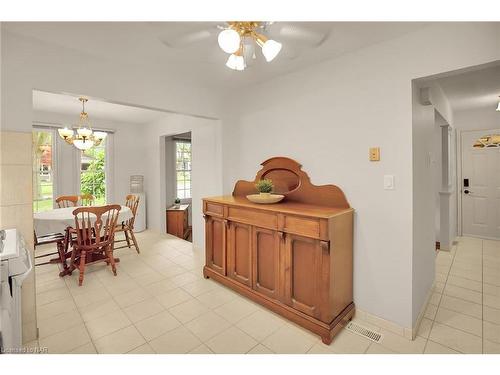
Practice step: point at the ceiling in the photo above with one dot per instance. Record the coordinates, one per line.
(191, 49)
(475, 89)
(97, 109)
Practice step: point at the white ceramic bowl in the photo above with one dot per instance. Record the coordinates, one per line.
(265, 199)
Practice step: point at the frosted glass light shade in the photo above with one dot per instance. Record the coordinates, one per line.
(100, 135)
(498, 107)
(270, 49)
(83, 144)
(229, 40)
(65, 133)
(84, 132)
(236, 62)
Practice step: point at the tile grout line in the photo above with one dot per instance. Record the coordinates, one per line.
(439, 304)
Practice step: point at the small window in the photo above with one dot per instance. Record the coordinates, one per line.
(183, 169)
(43, 171)
(488, 141)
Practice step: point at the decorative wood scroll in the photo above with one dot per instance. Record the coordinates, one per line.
(291, 181)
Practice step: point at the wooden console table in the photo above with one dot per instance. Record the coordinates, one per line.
(293, 257)
(177, 221)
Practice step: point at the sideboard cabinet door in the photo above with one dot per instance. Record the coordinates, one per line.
(215, 238)
(239, 257)
(266, 247)
(302, 289)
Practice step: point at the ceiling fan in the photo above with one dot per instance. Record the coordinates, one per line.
(240, 39)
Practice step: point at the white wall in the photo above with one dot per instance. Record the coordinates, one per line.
(327, 116)
(477, 119)
(29, 64)
(206, 172)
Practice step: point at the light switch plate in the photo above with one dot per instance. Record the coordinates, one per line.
(389, 182)
(374, 153)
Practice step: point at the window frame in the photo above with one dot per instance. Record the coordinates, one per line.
(176, 141)
(54, 164)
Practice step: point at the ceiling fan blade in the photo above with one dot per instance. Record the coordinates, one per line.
(185, 40)
(299, 33)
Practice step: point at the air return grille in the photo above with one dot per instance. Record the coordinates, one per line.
(363, 331)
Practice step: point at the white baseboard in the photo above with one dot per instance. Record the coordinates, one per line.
(406, 332)
(385, 324)
(414, 330)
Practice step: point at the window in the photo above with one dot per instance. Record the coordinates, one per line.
(43, 171)
(183, 169)
(93, 172)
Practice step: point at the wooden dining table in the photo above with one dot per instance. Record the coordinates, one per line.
(62, 220)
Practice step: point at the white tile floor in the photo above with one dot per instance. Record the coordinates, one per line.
(160, 303)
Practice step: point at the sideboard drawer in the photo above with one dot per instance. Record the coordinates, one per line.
(254, 217)
(302, 226)
(213, 209)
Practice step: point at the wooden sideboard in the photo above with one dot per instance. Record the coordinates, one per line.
(293, 257)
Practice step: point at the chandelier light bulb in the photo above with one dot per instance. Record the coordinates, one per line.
(65, 132)
(236, 62)
(83, 144)
(229, 40)
(100, 135)
(84, 132)
(270, 49)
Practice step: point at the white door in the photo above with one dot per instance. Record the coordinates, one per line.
(480, 186)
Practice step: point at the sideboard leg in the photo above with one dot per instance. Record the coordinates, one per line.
(327, 340)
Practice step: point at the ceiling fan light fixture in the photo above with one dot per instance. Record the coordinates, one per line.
(229, 40)
(270, 47)
(236, 62)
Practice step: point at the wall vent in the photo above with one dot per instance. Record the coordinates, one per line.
(363, 331)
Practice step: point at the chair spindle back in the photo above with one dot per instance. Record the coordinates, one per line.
(87, 199)
(132, 202)
(67, 201)
(95, 226)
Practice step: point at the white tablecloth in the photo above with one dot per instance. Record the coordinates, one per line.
(57, 220)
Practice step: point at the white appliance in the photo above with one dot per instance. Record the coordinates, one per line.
(137, 188)
(15, 266)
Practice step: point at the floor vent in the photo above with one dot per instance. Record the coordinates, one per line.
(363, 331)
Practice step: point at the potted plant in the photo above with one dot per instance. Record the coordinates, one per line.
(177, 203)
(265, 187)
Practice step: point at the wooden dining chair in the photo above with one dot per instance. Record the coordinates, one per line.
(67, 201)
(51, 238)
(95, 231)
(127, 227)
(87, 199)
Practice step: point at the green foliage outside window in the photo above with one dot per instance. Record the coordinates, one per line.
(93, 180)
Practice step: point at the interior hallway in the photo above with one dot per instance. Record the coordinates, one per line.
(160, 303)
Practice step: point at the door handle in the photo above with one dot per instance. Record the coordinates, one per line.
(466, 191)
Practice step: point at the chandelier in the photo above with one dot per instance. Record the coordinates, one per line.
(231, 41)
(84, 138)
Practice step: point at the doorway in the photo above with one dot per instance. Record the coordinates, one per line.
(178, 182)
(480, 189)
